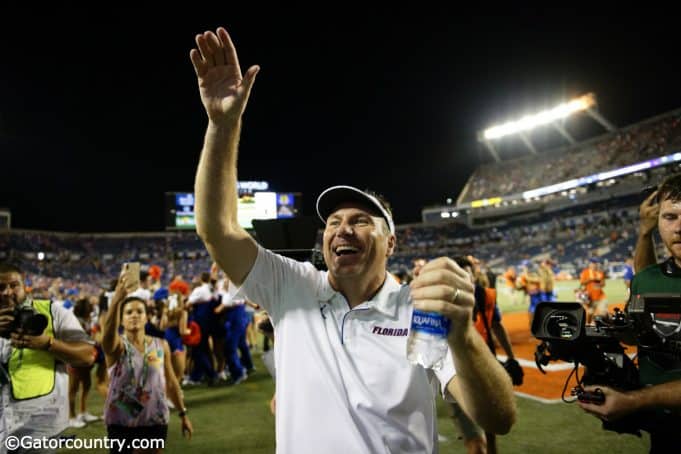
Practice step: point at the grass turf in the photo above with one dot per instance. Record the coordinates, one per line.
(237, 419)
(615, 292)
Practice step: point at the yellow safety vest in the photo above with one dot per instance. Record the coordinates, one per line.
(32, 372)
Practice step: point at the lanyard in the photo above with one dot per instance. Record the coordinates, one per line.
(145, 364)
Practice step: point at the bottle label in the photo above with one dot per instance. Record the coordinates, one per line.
(430, 322)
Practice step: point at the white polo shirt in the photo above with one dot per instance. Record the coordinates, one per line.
(344, 384)
(201, 294)
(229, 296)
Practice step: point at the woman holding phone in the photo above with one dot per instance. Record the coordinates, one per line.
(141, 374)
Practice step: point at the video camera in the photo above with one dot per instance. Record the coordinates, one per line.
(26, 318)
(652, 322)
(565, 336)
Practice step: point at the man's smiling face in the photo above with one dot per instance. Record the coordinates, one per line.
(356, 241)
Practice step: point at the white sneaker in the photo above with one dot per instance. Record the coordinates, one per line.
(222, 376)
(76, 423)
(189, 382)
(243, 377)
(87, 417)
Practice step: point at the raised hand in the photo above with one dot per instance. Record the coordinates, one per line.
(224, 90)
(442, 286)
(648, 212)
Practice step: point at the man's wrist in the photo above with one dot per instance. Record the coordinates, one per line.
(182, 413)
(49, 344)
(223, 127)
(460, 333)
(634, 401)
(644, 233)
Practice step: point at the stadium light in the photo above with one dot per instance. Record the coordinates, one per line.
(542, 118)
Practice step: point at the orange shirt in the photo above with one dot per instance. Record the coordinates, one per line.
(510, 277)
(593, 281)
(530, 281)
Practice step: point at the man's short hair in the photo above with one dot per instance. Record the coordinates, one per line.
(384, 203)
(6, 268)
(82, 308)
(205, 277)
(670, 189)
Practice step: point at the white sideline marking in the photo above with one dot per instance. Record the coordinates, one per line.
(538, 399)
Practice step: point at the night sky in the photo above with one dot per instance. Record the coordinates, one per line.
(100, 113)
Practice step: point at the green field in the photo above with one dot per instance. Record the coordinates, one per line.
(237, 420)
(615, 291)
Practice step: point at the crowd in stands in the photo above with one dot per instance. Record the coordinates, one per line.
(568, 237)
(77, 269)
(635, 144)
(89, 262)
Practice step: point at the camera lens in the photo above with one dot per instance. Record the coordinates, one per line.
(561, 325)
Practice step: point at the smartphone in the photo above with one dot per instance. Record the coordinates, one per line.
(131, 271)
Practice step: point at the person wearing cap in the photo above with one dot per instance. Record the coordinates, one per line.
(343, 381)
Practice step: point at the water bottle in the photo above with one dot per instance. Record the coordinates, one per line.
(427, 342)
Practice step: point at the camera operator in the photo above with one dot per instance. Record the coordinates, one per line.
(660, 378)
(37, 340)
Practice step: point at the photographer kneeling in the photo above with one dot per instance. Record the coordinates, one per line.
(37, 340)
(660, 372)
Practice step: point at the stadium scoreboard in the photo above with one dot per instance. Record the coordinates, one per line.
(255, 202)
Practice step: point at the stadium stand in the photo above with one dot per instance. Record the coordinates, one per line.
(648, 139)
(569, 226)
(570, 235)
